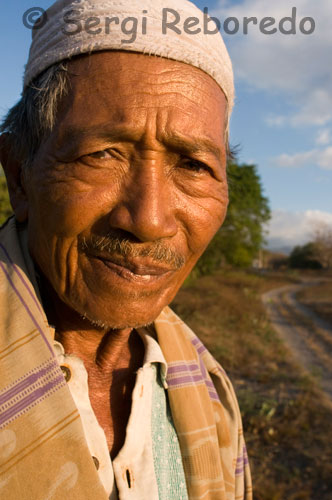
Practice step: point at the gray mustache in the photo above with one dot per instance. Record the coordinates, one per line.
(158, 252)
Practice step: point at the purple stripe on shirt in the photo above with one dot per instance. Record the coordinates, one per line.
(185, 380)
(202, 365)
(214, 395)
(28, 381)
(193, 367)
(190, 378)
(200, 348)
(25, 403)
(241, 462)
(243, 459)
(195, 341)
(27, 309)
(183, 367)
(211, 388)
(20, 275)
(198, 344)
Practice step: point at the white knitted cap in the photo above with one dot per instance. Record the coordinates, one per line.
(51, 42)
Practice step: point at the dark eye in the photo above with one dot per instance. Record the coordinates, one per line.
(100, 155)
(195, 165)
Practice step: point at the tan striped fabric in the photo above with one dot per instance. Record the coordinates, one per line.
(205, 414)
(43, 453)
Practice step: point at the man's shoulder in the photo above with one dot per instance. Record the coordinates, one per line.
(181, 346)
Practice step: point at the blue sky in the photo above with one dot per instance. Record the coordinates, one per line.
(283, 114)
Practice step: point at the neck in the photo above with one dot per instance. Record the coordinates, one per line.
(111, 358)
(98, 347)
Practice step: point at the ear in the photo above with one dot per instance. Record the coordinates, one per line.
(14, 176)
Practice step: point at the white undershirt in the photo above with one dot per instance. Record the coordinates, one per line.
(132, 470)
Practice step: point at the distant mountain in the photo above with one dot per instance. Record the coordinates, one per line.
(286, 250)
(279, 245)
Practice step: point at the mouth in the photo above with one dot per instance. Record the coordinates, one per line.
(135, 270)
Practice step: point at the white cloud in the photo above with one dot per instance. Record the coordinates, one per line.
(321, 158)
(323, 137)
(316, 110)
(275, 121)
(296, 160)
(325, 159)
(298, 66)
(295, 228)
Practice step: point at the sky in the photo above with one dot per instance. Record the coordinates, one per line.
(282, 120)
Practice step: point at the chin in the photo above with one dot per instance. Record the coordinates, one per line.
(112, 325)
(118, 323)
(120, 314)
(120, 307)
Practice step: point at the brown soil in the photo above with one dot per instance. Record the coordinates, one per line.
(308, 335)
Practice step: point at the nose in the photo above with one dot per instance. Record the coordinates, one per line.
(146, 209)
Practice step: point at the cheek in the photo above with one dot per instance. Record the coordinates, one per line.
(60, 210)
(202, 217)
(67, 207)
(200, 220)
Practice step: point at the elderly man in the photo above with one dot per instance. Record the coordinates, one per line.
(115, 158)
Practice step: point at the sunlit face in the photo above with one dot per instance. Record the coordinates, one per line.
(130, 187)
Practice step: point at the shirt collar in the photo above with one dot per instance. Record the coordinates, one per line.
(153, 352)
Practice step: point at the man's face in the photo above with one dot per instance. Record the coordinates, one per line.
(130, 187)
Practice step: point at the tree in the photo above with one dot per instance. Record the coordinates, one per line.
(322, 244)
(304, 257)
(242, 234)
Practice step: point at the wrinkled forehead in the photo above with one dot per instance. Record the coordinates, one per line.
(116, 70)
(118, 89)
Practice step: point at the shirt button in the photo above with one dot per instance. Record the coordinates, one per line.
(66, 372)
(96, 462)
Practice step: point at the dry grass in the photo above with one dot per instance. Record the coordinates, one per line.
(286, 419)
(318, 298)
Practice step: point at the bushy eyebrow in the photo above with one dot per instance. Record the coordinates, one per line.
(191, 145)
(75, 135)
(175, 141)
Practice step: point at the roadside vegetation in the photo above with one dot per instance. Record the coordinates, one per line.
(319, 299)
(287, 419)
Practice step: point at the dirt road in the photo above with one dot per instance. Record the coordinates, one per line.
(307, 335)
